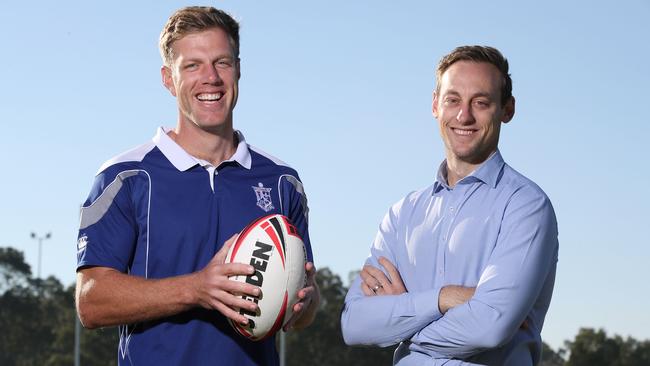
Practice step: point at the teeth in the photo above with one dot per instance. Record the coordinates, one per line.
(209, 97)
(463, 132)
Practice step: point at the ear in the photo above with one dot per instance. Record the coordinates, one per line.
(167, 79)
(508, 110)
(434, 106)
(238, 69)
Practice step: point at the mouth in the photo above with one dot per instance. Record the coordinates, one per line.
(463, 132)
(210, 97)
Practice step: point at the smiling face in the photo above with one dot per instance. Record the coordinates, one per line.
(469, 110)
(204, 78)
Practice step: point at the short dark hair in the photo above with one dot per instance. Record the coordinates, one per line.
(193, 19)
(478, 54)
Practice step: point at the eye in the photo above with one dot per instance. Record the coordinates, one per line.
(225, 62)
(482, 103)
(451, 101)
(191, 66)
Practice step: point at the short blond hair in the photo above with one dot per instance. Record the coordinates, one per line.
(194, 19)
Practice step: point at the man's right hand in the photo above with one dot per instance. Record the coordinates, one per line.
(216, 291)
(451, 296)
(101, 293)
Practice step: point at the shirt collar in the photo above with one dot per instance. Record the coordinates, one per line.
(489, 172)
(184, 161)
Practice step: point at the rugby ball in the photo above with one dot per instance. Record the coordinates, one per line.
(274, 248)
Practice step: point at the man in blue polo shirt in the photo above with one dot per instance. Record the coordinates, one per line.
(462, 272)
(159, 219)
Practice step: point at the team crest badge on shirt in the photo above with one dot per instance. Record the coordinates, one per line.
(263, 197)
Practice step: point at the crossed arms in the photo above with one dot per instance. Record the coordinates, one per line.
(452, 321)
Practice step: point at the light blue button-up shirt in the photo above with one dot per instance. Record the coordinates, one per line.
(496, 231)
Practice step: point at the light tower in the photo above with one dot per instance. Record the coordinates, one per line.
(40, 249)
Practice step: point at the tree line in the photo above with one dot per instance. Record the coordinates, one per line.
(37, 318)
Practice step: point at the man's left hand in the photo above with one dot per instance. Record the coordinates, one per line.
(374, 282)
(304, 311)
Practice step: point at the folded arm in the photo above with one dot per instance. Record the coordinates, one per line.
(523, 261)
(384, 320)
(390, 316)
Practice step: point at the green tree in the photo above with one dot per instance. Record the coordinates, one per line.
(98, 347)
(14, 272)
(24, 312)
(593, 347)
(550, 357)
(640, 355)
(32, 315)
(38, 316)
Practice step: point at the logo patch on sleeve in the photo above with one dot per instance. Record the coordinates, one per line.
(82, 242)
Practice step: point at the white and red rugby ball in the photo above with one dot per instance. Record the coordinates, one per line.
(274, 248)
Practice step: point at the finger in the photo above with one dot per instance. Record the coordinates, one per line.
(305, 293)
(231, 314)
(366, 290)
(298, 307)
(368, 280)
(236, 302)
(297, 313)
(220, 257)
(237, 288)
(369, 273)
(391, 269)
(235, 269)
(379, 276)
(364, 275)
(310, 270)
(292, 321)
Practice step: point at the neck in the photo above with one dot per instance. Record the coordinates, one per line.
(458, 168)
(214, 146)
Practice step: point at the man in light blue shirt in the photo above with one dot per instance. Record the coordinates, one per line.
(462, 272)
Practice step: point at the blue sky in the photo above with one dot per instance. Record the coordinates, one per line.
(341, 91)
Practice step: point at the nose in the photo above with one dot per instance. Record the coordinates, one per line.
(212, 76)
(465, 115)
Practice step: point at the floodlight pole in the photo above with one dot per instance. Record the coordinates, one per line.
(40, 249)
(282, 349)
(77, 341)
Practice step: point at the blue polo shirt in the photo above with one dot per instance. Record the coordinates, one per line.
(155, 211)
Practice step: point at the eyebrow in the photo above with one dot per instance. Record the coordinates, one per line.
(457, 94)
(190, 60)
(486, 95)
(451, 92)
(218, 57)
